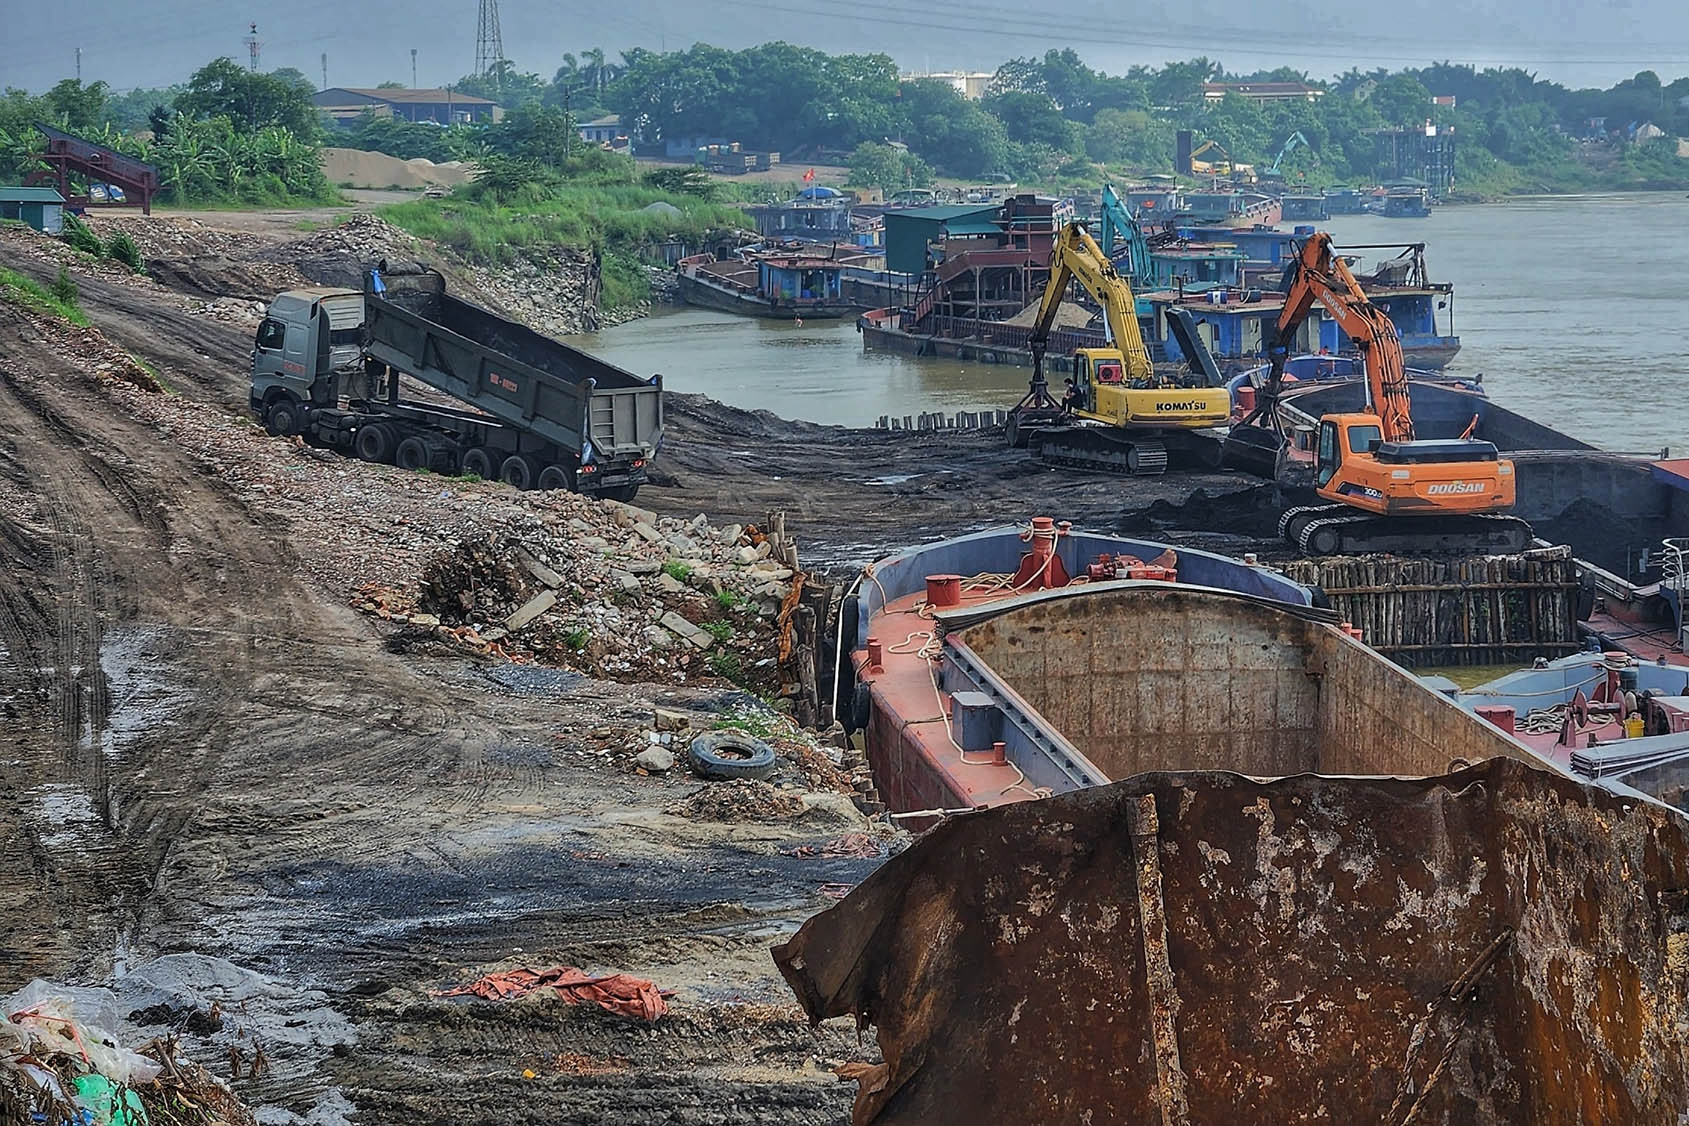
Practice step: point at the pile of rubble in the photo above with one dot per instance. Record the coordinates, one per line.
(554, 293)
(339, 253)
(608, 589)
(738, 803)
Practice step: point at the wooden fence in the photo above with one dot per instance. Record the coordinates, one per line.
(1478, 610)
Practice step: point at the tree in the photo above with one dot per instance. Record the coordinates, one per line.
(887, 167)
(79, 107)
(223, 89)
(1032, 119)
(1401, 100)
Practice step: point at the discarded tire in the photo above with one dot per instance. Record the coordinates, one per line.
(726, 755)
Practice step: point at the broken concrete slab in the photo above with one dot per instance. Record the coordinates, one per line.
(531, 609)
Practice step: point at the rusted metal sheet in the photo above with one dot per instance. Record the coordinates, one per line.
(1497, 945)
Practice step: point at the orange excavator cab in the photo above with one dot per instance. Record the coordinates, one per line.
(1387, 488)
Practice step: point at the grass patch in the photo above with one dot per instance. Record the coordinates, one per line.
(721, 631)
(610, 217)
(752, 721)
(577, 638)
(152, 371)
(728, 666)
(15, 287)
(729, 599)
(677, 570)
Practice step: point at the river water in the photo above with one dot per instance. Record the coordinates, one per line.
(1574, 308)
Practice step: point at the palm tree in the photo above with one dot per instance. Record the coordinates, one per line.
(594, 70)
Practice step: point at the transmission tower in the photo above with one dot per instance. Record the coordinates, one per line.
(489, 43)
(252, 45)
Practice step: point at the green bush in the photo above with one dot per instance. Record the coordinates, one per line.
(677, 570)
(76, 233)
(64, 289)
(122, 248)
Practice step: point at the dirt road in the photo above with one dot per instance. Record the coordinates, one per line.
(209, 756)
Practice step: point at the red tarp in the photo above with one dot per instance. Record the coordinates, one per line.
(619, 993)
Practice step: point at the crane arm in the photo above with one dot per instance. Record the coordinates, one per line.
(1119, 225)
(1318, 274)
(1077, 256)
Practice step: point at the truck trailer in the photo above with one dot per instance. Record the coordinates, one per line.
(327, 366)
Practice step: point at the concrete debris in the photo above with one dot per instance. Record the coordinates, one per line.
(654, 760)
(578, 601)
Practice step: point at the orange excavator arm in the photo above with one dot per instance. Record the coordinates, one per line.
(1320, 275)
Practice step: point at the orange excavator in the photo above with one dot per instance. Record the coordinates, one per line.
(1388, 490)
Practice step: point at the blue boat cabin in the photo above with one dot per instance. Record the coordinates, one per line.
(801, 279)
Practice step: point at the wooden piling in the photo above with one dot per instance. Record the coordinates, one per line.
(1463, 611)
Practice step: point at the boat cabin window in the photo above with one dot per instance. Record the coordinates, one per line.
(1365, 439)
(271, 333)
(1327, 463)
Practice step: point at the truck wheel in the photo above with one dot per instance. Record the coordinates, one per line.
(623, 493)
(282, 416)
(375, 443)
(412, 454)
(556, 477)
(519, 470)
(477, 462)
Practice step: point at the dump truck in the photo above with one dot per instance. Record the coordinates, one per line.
(511, 405)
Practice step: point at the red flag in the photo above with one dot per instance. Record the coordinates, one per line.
(809, 176)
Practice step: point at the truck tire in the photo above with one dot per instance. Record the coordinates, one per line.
(724, 756)
(623, 493)
(375, 443)
(556, 477)
(519, 470)
(413, 454)
(478, 462)
(283, 416)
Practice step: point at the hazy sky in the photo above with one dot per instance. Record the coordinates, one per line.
(157, 42)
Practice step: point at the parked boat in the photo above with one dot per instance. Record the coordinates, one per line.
(1304, 208)
(1345, 201)
(1229, 208)
(1403, 203)
(782, 284)
(1601, 716)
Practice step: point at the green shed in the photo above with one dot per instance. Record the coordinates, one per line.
(909, 230)
(41, 208)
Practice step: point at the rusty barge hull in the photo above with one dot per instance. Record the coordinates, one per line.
(1272, 877)
(1498, 945)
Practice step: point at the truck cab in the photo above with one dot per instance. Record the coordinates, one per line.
(306, 341)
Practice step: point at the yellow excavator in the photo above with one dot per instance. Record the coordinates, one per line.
(1120, 415)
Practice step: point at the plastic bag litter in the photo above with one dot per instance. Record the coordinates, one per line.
(75, 1021)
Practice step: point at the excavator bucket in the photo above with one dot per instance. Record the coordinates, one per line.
(1254, 449)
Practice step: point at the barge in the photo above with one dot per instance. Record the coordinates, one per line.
(780, 284)
(1021, 681)
(1269, 876)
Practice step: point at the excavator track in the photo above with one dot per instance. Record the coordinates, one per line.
(1339, 530)
(1101, 451)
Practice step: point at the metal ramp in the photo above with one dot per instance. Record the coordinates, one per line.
(67, 153)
